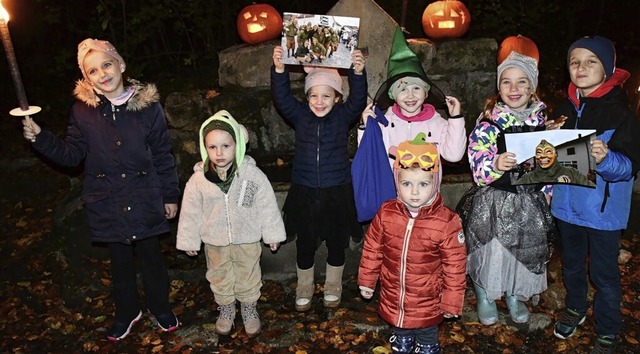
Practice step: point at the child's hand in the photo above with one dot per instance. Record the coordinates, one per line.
(599, 150)
(277, 59)
(191, 253)
(506, 161)
(170, 210)
(453, 105)
(274, 246)
(555, 124)
(30, 129)
(449, 315)
(368, 112)
(366, 294)
(358, 61)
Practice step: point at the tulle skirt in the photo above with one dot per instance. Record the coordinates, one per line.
(507, 241)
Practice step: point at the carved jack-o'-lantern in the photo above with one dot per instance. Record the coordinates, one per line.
(520, 44)
(417, 151)
(259, 23)
(446, 19)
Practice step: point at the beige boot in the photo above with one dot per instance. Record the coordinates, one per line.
(333, 286)
(225, 318)
(304, 291)
(250, 318)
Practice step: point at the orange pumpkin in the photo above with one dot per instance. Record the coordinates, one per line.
(446, 19)
(417, 151)
(520, 44)
(259, 23)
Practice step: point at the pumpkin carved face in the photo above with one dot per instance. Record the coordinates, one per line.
(259, 23)
(446, 19)
(520, 44)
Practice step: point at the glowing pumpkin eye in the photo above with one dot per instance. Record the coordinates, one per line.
(246, 15)
(263, 15)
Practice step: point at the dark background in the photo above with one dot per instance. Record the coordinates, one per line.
(174, 43)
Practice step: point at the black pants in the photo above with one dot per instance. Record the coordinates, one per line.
(154, 277)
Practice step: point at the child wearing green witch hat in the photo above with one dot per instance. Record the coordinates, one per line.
(414, 99)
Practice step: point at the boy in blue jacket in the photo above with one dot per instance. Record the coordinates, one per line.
(590, 221)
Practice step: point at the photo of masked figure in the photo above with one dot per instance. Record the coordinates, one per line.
(548, 170)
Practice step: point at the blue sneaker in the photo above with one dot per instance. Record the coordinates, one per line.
(119, 329)
(566, 326)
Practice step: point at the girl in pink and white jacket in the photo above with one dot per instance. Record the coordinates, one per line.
(414, 99)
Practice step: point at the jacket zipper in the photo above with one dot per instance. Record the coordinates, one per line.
(226, 208)
(403, 271)
(318, 154)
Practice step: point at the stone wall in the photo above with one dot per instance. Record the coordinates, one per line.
(462, 68)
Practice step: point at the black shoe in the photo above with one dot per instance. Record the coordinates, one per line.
(119, 329)
(167, 322)
(567, 324)
(605, 345)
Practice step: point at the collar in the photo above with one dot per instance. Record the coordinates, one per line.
(427, 112)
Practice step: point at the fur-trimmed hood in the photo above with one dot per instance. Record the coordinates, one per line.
(143, 97)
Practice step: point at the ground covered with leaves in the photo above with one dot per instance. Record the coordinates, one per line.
(54, 299)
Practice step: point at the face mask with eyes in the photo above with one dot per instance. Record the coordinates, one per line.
(417, 152)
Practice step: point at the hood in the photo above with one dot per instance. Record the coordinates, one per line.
(240, 136)
(143, 97)
(616, 80)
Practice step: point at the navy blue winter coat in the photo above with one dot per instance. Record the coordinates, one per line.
(321, 158)
(129, 172)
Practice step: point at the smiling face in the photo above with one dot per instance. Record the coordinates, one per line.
(104, 72)
(416, 187)
(410, 99)
(546, 155)
(586, 71)
(515, 88)
(322, 98)
(221, 149)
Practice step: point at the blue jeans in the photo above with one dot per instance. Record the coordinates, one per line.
(576, 244)
(424, 336)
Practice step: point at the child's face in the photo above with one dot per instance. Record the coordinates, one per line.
(104, 72)
(410, 99)
(416, 187)
(221, 149)
(322, 98)
(515, 88)
(586, 70)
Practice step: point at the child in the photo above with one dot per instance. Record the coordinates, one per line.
(590, 221)
(507, 226)
(131, 181)
(409, 87)
(320, 205)
(229, 205)
(415, 248)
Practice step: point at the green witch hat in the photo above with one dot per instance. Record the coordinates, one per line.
(404, 62)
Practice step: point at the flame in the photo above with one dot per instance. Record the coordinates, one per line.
(4, 15)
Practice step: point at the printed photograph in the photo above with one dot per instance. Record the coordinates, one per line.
(319, 40)
(554, 157)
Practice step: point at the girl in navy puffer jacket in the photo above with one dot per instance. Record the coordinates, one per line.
(320, 205)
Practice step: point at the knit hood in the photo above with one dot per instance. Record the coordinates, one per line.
(143, 97)
(240, 136)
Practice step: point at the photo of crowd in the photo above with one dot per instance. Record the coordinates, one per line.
(319, 40)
